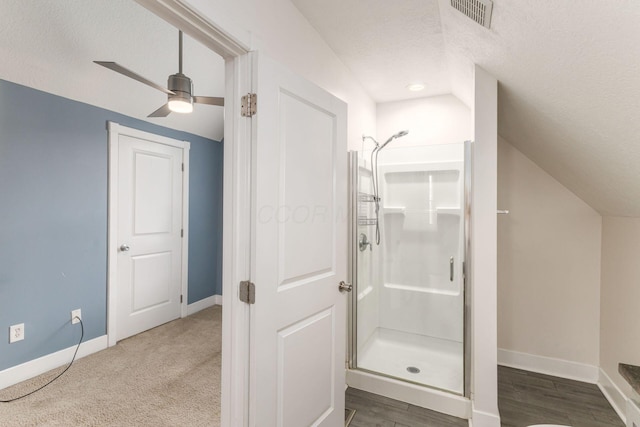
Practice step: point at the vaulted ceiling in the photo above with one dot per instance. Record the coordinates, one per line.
(568, 72)
(51, 46)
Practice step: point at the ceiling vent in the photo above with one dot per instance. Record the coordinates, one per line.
(478, 10)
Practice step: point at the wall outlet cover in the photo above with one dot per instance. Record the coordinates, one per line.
(76, 313)
(16, 333)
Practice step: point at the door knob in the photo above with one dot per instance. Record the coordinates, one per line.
(124, 248)
(345, 287)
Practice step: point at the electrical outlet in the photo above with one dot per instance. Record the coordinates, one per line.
(76, 313)
(16, 333)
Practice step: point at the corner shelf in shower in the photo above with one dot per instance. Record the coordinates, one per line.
(393, 210)
(449, 211)
(363, 220)
(439, 211)
(365, 197)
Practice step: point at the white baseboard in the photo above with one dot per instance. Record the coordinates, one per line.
(549, 366)
(33, 368)
(204, 303)
(483, 419)
(633, 414)
(614, 395)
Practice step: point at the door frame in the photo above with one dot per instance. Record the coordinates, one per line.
(233, 43)
(115, 130)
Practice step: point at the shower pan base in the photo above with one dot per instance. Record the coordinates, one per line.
(413, 394)
(433, 362)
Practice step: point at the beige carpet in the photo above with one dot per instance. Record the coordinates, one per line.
(168, 376)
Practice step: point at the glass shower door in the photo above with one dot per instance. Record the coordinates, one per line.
(408, 306)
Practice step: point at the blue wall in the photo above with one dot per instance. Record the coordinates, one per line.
(53, 218)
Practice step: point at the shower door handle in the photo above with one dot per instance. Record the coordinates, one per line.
(345, 287)
(451, 269)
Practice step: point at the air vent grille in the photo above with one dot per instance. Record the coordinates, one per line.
(478, 10)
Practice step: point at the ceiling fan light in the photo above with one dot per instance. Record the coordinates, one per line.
(180, 105)
(181, 101)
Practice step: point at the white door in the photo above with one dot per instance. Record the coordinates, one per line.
(298, 322)
(149, 243)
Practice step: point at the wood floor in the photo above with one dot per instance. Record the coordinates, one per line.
(524, 398)
(377, 411)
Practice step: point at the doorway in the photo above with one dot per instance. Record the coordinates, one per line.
(55, 140)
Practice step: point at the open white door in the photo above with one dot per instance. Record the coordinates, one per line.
(299, 252)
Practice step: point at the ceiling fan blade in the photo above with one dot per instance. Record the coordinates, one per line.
(161, 112)
(120, 69)
(210, 100)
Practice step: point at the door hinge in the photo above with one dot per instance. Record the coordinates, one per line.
(183, 167)
(249, 105)
(182, 232)
(247, 292)
(180, 299)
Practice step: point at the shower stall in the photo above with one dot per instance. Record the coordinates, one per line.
(408, 309)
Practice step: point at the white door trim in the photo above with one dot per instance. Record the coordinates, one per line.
(228, 40)
(237, 234)
(115, 130)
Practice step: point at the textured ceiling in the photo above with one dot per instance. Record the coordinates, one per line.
(50, 45)
(569, 73)
(387, 45)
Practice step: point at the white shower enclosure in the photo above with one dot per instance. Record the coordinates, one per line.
(407, 318)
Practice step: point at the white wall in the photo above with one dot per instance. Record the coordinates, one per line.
(620, 297)
(277, 28)
(548, 265)
(435, 120)
(484, 369)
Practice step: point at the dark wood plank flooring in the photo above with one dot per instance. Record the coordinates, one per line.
(377, 411)
(524, 398)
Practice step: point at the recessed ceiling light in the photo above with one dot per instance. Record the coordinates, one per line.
(415, 87)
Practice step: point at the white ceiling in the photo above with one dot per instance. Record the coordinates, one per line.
(50, 45)
(387, 45)
(569, 73)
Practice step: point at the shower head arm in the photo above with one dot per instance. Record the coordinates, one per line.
(365, 137)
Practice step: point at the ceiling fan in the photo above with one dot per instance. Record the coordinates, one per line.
(179, 88)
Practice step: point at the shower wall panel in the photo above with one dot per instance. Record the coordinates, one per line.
(422, 241)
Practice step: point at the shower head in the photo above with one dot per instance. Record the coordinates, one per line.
(397, 135)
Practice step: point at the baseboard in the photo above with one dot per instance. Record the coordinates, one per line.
(33, 368)
(633, 414)
(549, 366)
(614, 395)
(483, 419)
(204, 303)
